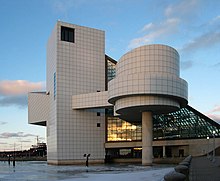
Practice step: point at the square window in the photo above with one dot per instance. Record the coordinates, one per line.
(67, 34)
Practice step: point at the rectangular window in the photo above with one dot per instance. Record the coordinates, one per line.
(54, 85)
(67, 34)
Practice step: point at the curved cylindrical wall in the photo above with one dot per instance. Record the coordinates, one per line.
(138, 104)
(149, 72)
(150, 84)
(150, 59)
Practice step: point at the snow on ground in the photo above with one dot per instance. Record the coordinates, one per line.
(40, 171)
(148, 175)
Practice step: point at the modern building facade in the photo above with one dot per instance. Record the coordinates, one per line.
(133, 108)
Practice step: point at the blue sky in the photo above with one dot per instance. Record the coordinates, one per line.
(190, 26)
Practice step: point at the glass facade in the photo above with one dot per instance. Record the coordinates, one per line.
(110, 70)
(120, 130)
(183, 124)
(187, 123)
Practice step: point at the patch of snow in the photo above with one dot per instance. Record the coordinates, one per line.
(147, 175)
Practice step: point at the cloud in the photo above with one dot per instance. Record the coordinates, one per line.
(155, 31)
(3, 143)
(147, 27)
(215, 117)
(14, 92)
(186, 64)
(26, 141)
(3, 122)
(214, 20)
(209, 37)
(206, 40)
(183, 8)
(20, 101)
(61, 6)
(217, 65)
(18, 87)
(216, 109)
(15, 135)
(177, 15)
(214, 113)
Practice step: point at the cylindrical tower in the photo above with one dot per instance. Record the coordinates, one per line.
(147, 82)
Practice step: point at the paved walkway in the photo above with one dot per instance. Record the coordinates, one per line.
(202, 169)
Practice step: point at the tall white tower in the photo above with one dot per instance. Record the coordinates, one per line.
(75, 65)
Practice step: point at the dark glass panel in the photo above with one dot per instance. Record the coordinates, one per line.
(67, 34)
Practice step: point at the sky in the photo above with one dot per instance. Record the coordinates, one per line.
(192, 27)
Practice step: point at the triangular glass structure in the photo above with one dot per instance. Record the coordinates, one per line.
(186, 123)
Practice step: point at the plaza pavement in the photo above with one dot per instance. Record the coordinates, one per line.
(202, 169)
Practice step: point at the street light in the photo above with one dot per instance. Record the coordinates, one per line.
(213, 159)
(208, 147)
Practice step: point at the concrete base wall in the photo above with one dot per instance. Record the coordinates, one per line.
(194, 147)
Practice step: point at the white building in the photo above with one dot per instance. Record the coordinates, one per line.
(146, 91)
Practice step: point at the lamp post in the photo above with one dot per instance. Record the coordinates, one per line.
(213, 159)
(208, 147)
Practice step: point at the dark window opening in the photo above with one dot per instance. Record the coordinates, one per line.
(98, 114)
(54, 86)
(98, 124)
(67, 34)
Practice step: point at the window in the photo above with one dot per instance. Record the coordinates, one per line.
(120, 130)
(98, 114)
(98, 124)
(67, 34)
(54, 85)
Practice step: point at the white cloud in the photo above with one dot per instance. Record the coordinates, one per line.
(3, 122)
(147, 27)
(186, 64)
(14, 135)
(216, 109)
(175, 14)
(182, 8)
(20, 101)
(154, 32)
(14, 92)
(214, 113)
(3, 143)
(63, 6)
(215, 20)
(206, 40)
(215, 117)
(217, 65)
(19, 87)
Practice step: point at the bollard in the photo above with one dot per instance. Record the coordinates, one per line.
(9, 160)
(174, 176)
(184, 163)
(13, 162)
(183, 169)
(188, 158)
(87, 159)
